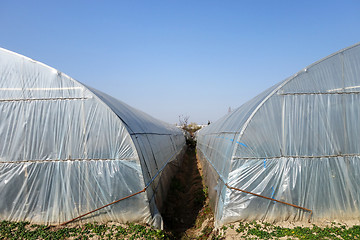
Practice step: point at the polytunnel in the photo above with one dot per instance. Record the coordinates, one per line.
(67, 149)
(295, 143)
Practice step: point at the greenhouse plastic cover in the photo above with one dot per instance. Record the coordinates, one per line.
(67, 149)
(297, 142)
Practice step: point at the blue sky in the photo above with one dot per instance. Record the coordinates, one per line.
(171, 58)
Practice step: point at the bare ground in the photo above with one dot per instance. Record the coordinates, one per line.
(187, 214)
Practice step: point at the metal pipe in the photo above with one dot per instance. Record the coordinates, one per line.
(64, 223)
(258, 195)
(146, 186)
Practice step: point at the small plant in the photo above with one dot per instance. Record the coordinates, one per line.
(251, 230)
(23, 230)
(205, 233)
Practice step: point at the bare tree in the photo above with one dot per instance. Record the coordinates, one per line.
(183, 120)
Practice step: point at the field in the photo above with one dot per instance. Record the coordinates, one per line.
(253, 230)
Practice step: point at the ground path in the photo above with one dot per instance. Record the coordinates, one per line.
(187, 214)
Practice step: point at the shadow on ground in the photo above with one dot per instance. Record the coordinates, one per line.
(186, 207)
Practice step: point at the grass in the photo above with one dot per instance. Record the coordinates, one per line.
(244, 230)
(23, 230)
(254, 230)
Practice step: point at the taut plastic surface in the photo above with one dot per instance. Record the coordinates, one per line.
(67, 149)
(297, 142)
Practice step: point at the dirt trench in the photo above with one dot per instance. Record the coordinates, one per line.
(187, 214)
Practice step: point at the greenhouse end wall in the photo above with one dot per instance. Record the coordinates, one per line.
(68, 149)
(297, 142)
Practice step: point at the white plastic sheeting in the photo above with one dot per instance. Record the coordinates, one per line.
(67, 149)
(297, 142)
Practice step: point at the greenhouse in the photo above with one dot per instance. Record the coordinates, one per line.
(67, 149)
(291, 153)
